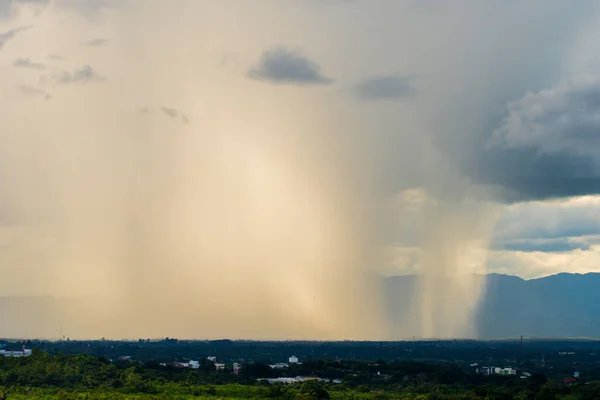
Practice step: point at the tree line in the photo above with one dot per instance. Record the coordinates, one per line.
(43, 375)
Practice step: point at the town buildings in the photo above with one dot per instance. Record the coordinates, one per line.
(16, 353)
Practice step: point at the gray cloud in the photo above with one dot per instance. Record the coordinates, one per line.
(558, 245)
(565, 117)
(33, 92)
(284, 66)
(548, 145)
(83, 75)
(173, 113)
(6, 36)
(27, 63)
(55, 57)
(169, 112)
(389, 87)
(96, 42)
(90, 7)
(35, 2)
(8, 7)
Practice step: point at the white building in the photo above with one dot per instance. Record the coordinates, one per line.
(505, 371)
(279, 365)
(281, 380)
(219, 367)
(15, 353)
(191, 364)
(213, 359)
(496, 370)
(293, 360)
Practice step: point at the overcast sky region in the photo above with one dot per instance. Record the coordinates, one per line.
(236, 160)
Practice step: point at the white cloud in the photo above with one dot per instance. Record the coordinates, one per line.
(530, 239)
(538, 264)
(571, 217)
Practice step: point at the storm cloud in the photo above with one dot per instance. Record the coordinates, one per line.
(548, 145)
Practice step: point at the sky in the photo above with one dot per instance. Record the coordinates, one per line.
(243, 159)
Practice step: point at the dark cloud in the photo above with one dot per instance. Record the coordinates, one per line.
(84, 75)
(548, 145)
(96, 42)
(284, 66)
(55, 57)
(6, 36)
(530, 174)
(27, 63)
(33, 92)
(389, 88)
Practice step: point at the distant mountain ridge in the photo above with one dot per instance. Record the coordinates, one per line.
(561, 305)
(557, 306)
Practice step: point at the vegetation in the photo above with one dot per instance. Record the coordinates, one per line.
(60, 376)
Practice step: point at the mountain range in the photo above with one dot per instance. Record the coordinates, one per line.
(557, 306)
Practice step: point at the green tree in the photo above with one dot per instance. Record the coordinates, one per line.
(548, 391)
